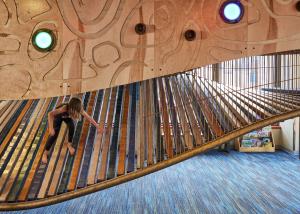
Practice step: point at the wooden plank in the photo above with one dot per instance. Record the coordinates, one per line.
(173, 116)
(29, 179)
(235, 117)
(80, 150)
(12, 149)
(91, 140)
(141, 128)
(97, 145)
(203, 101)
(32, 125)
(149, 120)
(185, 126)
(132, 128)
(107, 137)
(165, 116)
(35, 138)
(15, 126)
(9, 118)
(52, 162)
(123, 133)
(190, 113)
(58, 169)
(4, 106)
(40, 172)
(113, 151)
(138, 127)
(159, 153)
(232, 104)
(247, 104)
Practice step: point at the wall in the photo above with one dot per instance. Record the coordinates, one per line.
(97, 46)
(290, 135)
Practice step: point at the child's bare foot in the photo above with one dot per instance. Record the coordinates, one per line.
(71, 149)
(45, 158)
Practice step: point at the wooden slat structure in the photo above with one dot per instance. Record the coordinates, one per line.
(147, 126)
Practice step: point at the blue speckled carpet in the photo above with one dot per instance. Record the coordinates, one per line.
(214, 182)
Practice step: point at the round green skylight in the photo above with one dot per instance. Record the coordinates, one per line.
(44, 40)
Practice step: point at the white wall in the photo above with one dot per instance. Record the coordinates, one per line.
(290, 134)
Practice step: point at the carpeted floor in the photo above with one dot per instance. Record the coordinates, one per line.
(214, 182)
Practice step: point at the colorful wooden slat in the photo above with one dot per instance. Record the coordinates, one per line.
(14, 127)
(98, 142)
(149, 121)
(10, 155)
(80, 149)
(90, 143)
(132, 128)
(41, 136)
(113, 151)
(32, 125)
(35, 138)
(173, 117)
(141, 128)
(10, 117)
(107, 137)
(123, 133)
(52, 161)
(40, 171)
(165, 116)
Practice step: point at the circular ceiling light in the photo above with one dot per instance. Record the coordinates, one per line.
(44, 40)
(232, 11)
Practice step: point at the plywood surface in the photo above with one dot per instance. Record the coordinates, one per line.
(97, 46)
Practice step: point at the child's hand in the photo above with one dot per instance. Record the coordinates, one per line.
(51, 132)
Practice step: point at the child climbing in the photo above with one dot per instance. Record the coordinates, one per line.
(68, 113)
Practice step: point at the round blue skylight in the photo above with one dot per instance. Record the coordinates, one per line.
(43, 40)
(232, 11)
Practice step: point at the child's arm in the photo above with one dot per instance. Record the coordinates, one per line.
(91, 120)
(51, 115)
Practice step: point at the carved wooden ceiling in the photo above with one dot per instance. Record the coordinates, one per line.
(97, 45)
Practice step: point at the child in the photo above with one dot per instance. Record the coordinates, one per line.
(67, 112)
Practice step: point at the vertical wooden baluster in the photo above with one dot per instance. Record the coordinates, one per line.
(97, 145)
(123, 133)
(113, 151)
(107, 136)
(90, 142)
(80, 149)
(132, 132)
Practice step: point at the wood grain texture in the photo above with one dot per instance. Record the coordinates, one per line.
(97, 46)
(26, 140)
(30, 177)
(98, 142)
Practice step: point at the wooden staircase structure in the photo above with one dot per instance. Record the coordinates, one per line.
(148, 126)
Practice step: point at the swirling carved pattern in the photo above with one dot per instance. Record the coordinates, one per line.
(28, 10)
(4, 13)
(96, 39)
(108, 55)
(64, 6)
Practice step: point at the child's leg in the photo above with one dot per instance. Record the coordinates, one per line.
(51, 140)
(71, 127)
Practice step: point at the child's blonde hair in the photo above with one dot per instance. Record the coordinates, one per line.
(75, 107)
